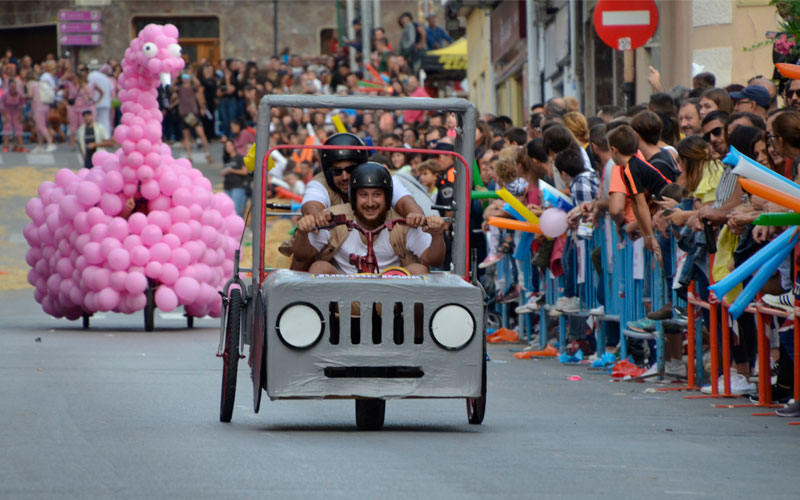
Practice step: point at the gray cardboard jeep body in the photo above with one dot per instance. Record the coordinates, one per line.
(369, 338)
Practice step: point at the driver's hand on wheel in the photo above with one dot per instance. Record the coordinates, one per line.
(434, 225)
(415, 219)
(309, 223)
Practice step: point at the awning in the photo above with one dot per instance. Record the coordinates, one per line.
(448, 63)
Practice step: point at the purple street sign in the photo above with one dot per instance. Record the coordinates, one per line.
(78, 15)
(80, 27)
(80, 39)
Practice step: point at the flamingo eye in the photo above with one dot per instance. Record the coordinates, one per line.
(150, 49)
(174, 50)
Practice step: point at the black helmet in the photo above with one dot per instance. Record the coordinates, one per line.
(331, 156)
(370, 175)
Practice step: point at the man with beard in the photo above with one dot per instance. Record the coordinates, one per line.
(370, 189)
(714, 133)
(689, 117)
(792, 95)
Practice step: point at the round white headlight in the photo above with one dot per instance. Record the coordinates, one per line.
(452, 326)
(300, 325)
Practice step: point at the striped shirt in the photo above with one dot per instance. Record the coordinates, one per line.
(727, 183)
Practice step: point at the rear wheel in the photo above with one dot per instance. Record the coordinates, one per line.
(370, 413)
(149, 308)
(230, 356)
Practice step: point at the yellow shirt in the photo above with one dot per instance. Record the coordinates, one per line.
(706, 190)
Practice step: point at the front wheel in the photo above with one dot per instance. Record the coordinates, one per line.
(370, 414)
(476, 407)
(230, 356)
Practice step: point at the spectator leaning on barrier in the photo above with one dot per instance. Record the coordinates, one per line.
(642, 180)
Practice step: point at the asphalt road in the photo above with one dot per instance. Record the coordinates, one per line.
(114, 412)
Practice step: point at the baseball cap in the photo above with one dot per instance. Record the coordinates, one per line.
(754, 93)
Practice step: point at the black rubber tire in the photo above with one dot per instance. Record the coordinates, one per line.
(149, 308)
(476, 407)
(86, 321)
(189, 321)
(370, 414)
(230, 356)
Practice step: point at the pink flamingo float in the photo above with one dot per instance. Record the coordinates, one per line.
(140, 222)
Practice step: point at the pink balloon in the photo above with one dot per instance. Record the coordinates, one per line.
(113, 182)
(144, 146)
(169, 183)
(153, 159)
(182, 231)
(166, 300)
(118, 280)
(108, 244)
(208, 235)
(64, 176)
(129, 175)
(137, 222)
(182, 196)
(235, 225)
(138, 301)
(180, 258)
(107, 299)
(153, 269)
(150, 189)
(160, 203)
(119, 259)
(195, 250)
(159, 218)
(121, 133)
(187, 289)
(131, 241)
(553, 222)
(35, 210)
(88, 193)
(98, 231)
(135, 283)
(145, 173)
(92, 253)
(118, 228)
(160, 252)
(140, 255)
(111, 204)
(129, 189)
(151, 234)
(70, 206)
(169, 273)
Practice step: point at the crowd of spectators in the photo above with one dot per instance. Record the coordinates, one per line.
(654, 168)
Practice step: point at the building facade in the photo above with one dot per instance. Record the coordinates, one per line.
(538, 49)
(209, 29)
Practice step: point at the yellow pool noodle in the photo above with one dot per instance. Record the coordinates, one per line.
(518, 206)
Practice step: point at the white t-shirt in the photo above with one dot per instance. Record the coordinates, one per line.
(102, 82)
(315, 191)
(417, 242)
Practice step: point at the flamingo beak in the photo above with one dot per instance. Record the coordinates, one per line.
(165, 78)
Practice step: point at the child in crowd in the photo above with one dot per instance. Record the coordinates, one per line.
(292, 178)
(427, 177)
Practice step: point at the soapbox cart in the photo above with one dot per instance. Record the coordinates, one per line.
(371, 337)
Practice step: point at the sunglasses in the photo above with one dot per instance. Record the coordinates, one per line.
(336, 172)
(715, 132)
(432, 144)
(790, 93)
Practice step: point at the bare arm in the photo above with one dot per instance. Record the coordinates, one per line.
(434, 254)
(304, 252)
(408, 208)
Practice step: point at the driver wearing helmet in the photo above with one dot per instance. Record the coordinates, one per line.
(330, 187)
(369, 191)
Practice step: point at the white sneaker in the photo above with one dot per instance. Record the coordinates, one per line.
(676, 368)
(570, 305)
(653, 370)
(740, 384)
(529, 307)
(37, 149)
(784, 301)
(491, 260)
(597, 311)
(50, 148)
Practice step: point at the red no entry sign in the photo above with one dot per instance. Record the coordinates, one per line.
(625, 24)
